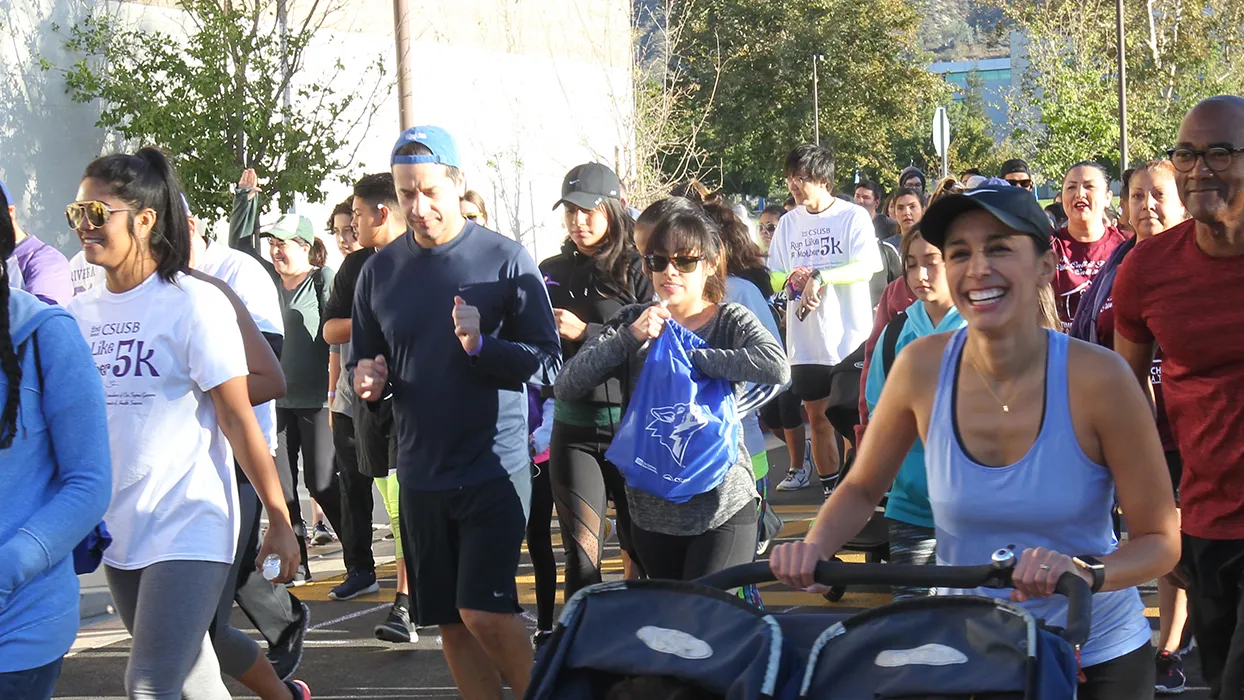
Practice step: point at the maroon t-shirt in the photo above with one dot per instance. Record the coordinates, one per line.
(1192, 305)
(1078, 264)
(1105, 336)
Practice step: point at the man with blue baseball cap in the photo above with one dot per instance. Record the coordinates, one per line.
(452, 320)
(35, 266)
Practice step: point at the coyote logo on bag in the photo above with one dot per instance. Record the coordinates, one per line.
(674, 426)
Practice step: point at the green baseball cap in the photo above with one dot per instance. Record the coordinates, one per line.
(292, 226)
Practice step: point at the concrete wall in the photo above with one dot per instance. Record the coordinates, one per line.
(529, 87)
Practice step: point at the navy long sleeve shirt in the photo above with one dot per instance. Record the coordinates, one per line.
(460, 420)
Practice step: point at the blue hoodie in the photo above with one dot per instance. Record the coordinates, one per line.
(909, 498)
(55, 483)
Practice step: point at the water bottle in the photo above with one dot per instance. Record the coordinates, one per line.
(272, 567)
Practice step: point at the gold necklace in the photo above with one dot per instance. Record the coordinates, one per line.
(1006, 405)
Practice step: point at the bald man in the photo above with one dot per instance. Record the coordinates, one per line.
(1184, 291)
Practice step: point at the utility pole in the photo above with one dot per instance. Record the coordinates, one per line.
(405, 82)
(816, 99)
(1122, 50)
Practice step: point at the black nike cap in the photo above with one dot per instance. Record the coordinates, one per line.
(587, 185)
(1014, 206)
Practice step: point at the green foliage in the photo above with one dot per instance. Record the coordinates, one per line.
(874, 89)
(215, 98)
(1178, 52)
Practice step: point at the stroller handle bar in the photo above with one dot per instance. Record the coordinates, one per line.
(996, 575)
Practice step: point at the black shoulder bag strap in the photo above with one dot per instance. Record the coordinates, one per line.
(889, 341)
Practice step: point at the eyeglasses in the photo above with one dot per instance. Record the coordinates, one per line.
(768, 228)
(683, 263)
(1217, 158)
(474, 216)
(1025, 183)
(94, 213)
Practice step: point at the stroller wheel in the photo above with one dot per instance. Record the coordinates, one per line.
(835, 594)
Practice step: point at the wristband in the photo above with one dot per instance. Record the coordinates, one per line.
(332, 394)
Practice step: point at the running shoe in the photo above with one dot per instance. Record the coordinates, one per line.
(357, 583)
(301, 578)
(795, 479)
(540, 638)
(610, 528)
(286, 654)
(299, 689)
(1169, 678)
(396, 628)
(322, 534)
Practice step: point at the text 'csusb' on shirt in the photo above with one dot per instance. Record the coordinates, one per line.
(840, 235)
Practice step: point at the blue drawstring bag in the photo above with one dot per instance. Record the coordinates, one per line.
(90, 551)
(680, 434)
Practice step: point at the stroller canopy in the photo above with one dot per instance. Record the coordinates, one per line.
(659, 628)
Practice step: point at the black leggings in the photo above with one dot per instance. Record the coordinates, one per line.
(540, 545)
(1128, 677)
(583, 483)
(305, 432)
(687, 557)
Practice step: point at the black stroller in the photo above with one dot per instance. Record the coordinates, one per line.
(938, 648)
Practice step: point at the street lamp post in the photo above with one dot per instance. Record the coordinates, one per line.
(816, 99)
(1122, 50)
(405, 81)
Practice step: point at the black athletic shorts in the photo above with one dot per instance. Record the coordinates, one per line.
(465, 545)
(783, 413)
(811, 382)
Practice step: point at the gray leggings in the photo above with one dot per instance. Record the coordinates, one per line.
(167, 608)
(236, 651)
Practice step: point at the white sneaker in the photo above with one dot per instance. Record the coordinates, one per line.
(795, 479)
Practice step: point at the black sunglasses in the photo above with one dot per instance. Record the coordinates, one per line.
(1025, 183)
(683, 263)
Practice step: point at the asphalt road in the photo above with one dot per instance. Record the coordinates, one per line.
(343, 660)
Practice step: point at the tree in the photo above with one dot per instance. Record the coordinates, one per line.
(671, 105)
(874, 88)
(233, 93)
(1066, 109)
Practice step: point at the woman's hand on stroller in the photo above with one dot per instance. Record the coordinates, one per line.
(795, 565)
(1038, 572)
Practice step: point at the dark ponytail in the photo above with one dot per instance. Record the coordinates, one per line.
(9, 361)
(146, 180)
(318, 255)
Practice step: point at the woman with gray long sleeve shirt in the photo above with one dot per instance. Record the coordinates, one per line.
(716, 529)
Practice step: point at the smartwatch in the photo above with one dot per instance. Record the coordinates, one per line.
(1094, 567)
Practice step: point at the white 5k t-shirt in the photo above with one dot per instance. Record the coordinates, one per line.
(159, 349)
(840, 235)
(247, 278)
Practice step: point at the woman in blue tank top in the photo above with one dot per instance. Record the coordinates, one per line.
(1028, 435)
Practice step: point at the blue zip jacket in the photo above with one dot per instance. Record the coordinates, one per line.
(55, 483)
(909, 498)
